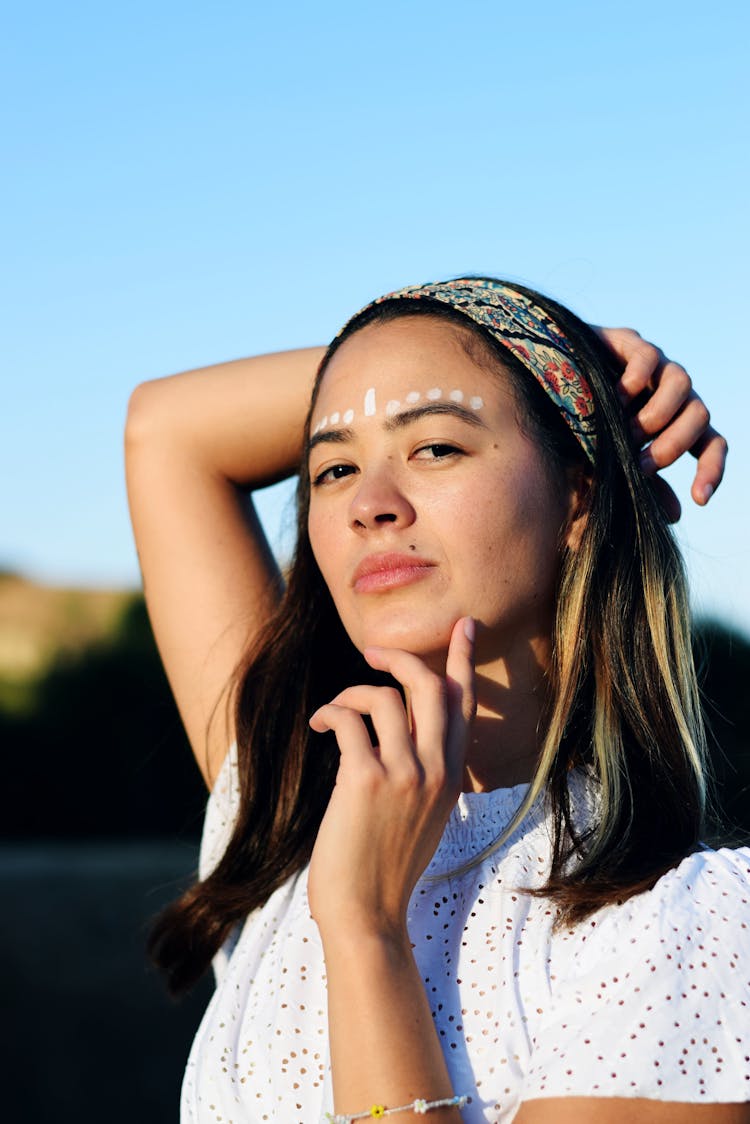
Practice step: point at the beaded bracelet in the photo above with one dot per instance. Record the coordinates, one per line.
(419, 1107)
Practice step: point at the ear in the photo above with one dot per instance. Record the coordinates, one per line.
(579, 494)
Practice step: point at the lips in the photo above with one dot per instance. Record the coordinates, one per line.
(388, 571)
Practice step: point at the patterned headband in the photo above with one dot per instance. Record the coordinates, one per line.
(526, 330)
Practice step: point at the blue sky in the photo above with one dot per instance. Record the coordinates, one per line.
(187, 183)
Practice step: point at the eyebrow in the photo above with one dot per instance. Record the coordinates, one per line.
(406, 417)
(400, 421)
(332, 437)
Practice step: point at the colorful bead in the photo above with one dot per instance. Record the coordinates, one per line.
(377, 1110)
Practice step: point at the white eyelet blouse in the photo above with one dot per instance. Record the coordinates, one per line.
(650, 998)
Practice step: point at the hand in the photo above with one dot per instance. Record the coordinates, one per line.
(391, 801)
(673, 420)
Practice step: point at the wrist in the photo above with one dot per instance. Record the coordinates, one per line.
(371, 938)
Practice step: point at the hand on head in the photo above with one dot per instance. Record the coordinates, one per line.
(672, 420)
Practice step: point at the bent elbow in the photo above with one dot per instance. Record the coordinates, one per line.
(143, 413)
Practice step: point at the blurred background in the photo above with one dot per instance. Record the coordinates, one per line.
(189, 183)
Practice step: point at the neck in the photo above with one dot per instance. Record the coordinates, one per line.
(505, 737)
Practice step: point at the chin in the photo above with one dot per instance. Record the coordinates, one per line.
(421, 638)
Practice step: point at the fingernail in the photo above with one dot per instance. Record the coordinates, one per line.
(638, 432)
(708, 491)
(648, 464)
(470, 628)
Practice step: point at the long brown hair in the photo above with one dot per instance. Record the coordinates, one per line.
(622, 699)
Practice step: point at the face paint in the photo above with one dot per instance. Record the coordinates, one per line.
(394, 406)
(528, 330)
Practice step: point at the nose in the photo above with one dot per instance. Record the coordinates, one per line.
(379, 502)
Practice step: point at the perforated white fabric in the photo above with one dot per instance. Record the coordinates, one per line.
(647, 999)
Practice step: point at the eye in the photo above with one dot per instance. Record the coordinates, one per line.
(437, 450)
(335, 472)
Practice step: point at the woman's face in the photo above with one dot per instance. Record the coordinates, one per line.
(427, 501)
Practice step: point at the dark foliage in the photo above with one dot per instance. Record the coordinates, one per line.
(103, 753)
(723, 661)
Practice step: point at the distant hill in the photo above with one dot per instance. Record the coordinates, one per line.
(38, 623)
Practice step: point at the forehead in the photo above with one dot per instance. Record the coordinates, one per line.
(421, 350)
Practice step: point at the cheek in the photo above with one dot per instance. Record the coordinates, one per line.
(539, 504)
(522, 526)
(323, 537)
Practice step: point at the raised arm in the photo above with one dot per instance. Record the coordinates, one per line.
(195, 444)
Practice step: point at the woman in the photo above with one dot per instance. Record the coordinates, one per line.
(501, 910)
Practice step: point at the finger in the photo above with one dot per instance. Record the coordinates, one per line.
(667, 498)
(427, 698)
(642, 360)
(351, 734)
(711, 451)
(648, 369)
(673, 393)
(683, 433)
(461, 687)
(385, 707)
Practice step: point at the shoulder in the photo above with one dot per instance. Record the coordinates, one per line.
(708, 892)
(692, 929)
(699, 912)
(651, 997)
(708, 880)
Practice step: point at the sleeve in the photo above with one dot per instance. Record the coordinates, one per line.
(221, 814)
(651, 998)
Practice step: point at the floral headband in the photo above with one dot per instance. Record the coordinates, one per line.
(526, 330)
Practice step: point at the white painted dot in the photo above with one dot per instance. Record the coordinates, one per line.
(476, 402)
(316, 430)
(348, 417)
(434, 393)
(456, 396)
(335, 418)
(413, 396)
(392, 408)
(370, 402)
(324, 422)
